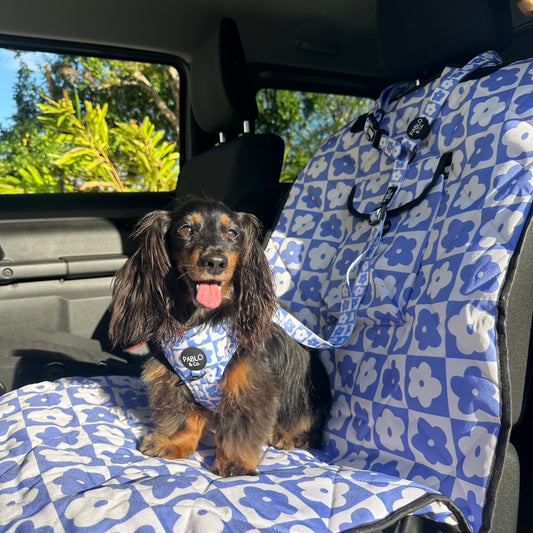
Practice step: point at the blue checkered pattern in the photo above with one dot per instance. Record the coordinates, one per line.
(417, 388)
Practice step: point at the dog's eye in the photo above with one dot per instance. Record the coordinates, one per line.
(185, 230)
(231, 234)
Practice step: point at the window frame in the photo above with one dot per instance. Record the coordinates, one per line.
(126, 205)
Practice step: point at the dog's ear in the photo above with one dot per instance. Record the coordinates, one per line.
(151, 235)
(254, 288)
(252, 230)
(139, 304)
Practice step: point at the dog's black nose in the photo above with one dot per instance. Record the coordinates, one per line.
(214, 263)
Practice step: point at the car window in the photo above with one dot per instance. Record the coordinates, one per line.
(71, 123)
(304, 120)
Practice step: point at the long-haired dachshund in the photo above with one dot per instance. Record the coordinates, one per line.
(202, 263)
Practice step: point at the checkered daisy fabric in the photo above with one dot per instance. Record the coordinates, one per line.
(417, 387)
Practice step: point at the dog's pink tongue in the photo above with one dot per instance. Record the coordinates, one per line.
(209, 294)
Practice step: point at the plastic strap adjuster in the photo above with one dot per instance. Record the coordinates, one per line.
(373, 131)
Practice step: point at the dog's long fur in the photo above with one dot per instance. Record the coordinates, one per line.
(274, 391)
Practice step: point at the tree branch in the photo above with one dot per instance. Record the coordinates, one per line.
(140, 80)
(143, 82)
(175, 88)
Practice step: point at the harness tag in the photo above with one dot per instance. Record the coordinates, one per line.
(418, 128)
(389, 195)
(194, 359)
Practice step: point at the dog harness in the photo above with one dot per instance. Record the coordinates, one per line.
(200, 359)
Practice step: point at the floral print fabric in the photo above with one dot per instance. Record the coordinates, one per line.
(418, 388)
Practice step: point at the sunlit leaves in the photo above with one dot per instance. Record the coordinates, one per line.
(149, 155)
(126, 157)
(32, 179)
(72, 118)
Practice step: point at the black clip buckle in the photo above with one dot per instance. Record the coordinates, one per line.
(374, 132)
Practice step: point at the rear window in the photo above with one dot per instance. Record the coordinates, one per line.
(81, 124)
(305, 120)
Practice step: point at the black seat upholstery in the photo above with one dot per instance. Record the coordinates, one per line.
(243, 169)
(417, 38)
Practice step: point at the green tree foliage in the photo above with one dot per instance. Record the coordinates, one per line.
(147, 154)
(118, 130)
(91, 124)
(132, 90)
(304, 120)
(128, 157)
(24, 145)
(31, 179)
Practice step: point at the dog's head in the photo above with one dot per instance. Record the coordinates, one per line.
(199, 262)
(208, 245)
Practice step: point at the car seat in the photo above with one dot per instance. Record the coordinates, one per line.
(427, 384)
(429, 279)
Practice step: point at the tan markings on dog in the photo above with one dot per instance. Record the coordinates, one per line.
(233, 259)
(184, 260)
(179, 445)
(225, 219)
(237, 378)
(293, 436)
(240, 461)
(194, 258)
(154, 372)
(196, 217)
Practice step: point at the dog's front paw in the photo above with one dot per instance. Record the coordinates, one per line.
(282, 441)
(159, 445)
(285, 441)
(230, 469)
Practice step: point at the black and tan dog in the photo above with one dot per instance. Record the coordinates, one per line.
(203, 263)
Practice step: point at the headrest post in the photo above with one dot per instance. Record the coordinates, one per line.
(246, 126)
(221, 137)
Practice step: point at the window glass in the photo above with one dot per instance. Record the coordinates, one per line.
(85, 124)
(304, 120)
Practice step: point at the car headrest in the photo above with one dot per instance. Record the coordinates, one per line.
(221, 89)
(417, 38)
